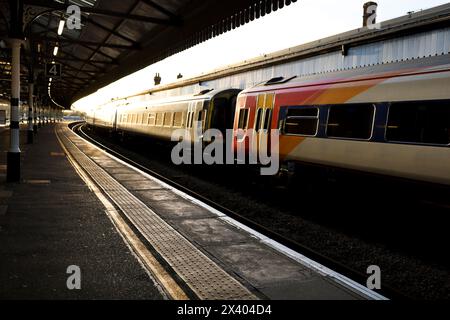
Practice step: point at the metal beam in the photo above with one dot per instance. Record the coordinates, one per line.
(117, 34)
(83, 45)
(74, 59)
(97, 50)
(161, 9)
(102, 12)
(66, 39)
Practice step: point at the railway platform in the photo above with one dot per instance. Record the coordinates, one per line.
(51, 221)
(135, 237)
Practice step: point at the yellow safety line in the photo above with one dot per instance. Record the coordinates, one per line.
(170, 286)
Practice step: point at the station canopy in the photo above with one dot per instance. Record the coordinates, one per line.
(116, 38)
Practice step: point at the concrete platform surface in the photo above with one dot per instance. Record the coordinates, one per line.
(167, 218)
(50, 221)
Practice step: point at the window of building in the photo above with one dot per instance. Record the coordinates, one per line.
(419, 122)
(302, 121)
(353, 121)
(243, 118)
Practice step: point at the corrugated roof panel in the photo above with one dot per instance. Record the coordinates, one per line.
(418, 46)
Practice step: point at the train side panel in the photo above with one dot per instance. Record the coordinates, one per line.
(306, 117)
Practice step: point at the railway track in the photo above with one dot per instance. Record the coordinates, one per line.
(312, 254)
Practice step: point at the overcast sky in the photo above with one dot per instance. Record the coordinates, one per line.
(301, 22)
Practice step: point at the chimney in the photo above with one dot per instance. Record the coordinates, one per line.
(370, 13)
(157, 79)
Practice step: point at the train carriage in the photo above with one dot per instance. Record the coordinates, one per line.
(159, 118)
(391, 119)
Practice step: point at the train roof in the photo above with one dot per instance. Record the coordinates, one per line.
(430, 64)
(206, 94)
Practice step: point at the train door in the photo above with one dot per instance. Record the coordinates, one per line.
(2, 117)
(114, 124)
(263, 119)
(190, 117)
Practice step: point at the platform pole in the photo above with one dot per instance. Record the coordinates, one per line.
(30, 112)
(13, 156)
(40, 114)
(35, 127)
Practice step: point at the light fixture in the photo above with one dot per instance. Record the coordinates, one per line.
(55, 51)
(61, 27)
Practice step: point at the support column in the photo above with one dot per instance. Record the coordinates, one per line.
(35, 127)
(40, 114)
(13, 156)
(30, 112)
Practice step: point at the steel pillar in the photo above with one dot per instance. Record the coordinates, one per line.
(13, 156)
(30, 133)
(35, 126)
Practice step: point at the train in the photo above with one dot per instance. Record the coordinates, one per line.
(388, 119)
(4, 112)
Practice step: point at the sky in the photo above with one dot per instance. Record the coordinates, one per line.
(299, 23)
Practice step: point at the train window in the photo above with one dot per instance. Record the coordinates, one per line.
(258, 119)
(168, 119)
(243, 118)
(202, 118)
(151, 119)
(188, 119)
(178, 119)
(138, 118)
(191, 119)
(267, 119)
(159, 119)
(419, 122)
(353, 121)
(302, 121)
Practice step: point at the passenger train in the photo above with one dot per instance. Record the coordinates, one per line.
(4, 112)
(389, 119)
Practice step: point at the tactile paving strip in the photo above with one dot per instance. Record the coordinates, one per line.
(205, 278)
